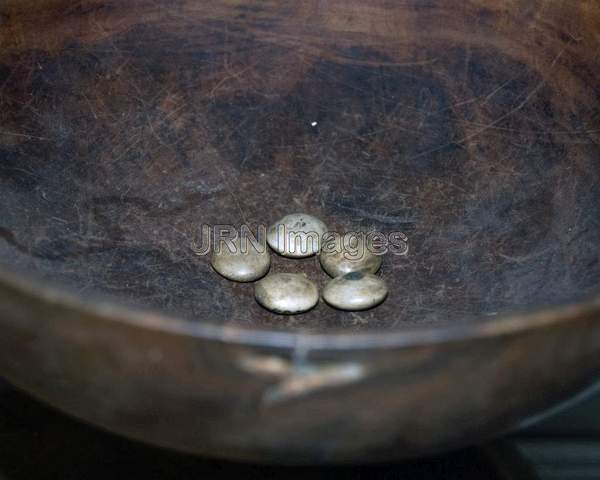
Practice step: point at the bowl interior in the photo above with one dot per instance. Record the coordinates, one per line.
(471, 129)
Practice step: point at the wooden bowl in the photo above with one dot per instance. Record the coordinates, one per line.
(469, 127)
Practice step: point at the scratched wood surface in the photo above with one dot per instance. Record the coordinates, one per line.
(472, 127)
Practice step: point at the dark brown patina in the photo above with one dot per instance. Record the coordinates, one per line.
(472, 127)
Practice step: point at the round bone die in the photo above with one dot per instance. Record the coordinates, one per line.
(355, 291)
(341, 255)
(296, 235)
(241, 261)
(287, 293)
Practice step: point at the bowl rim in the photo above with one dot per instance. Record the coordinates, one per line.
(411, 336)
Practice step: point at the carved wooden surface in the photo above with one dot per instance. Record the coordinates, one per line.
(472, 127)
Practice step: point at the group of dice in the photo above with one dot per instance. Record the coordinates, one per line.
(354, 285)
